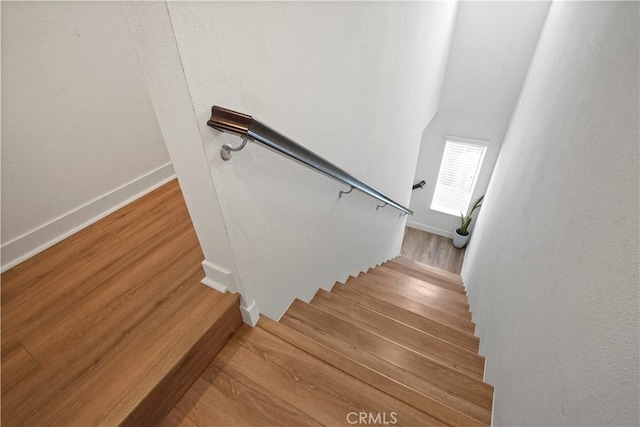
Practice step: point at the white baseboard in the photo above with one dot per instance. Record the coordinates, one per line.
(47, 235)
(218, 278)
(250, 313)
(215, 285)
(432, 230)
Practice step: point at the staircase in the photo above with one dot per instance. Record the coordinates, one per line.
(111, 326)
(393, 346)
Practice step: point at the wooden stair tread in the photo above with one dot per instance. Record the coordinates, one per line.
(455, 336)
(423, 291)
(382, 364)
(387, 294)
(390, 370)
(307, 383)
(368, 374)
(427, 345)
(429, 269)
(442, 376)
(417, 293)
(445, 293)
(228, 398)
(427, 277)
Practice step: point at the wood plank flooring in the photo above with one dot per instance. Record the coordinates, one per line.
(111, 325)
(392, 346)
(432, 250)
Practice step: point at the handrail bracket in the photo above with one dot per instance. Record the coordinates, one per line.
(226, 149)
(344, 192)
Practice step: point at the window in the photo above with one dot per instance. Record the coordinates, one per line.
(458, 174)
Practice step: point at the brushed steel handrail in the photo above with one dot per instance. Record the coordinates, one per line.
(251, 129)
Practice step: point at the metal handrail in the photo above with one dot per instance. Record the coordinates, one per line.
(250, 129)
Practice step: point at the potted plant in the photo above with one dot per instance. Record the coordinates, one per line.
(462, 235)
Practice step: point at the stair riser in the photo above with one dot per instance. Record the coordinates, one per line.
(454, 336)
(380, 291)
(387, 368)
(451, 381)
(309, 383)
(421, 294)
(153, 409)
(435, 272)
(426, 277)
(446, 293)
(415, 340)
(368, 375)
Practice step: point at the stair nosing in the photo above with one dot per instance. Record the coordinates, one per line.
(435, 365)
(455, 287)
(271, 325)
(317, 301)
(427, 268)
(453, 399)
(359, 281)
(456, 296)
(345, 291)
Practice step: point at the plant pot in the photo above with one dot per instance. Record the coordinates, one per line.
(460, 241)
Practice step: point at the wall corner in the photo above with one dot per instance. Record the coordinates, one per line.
(250, 313)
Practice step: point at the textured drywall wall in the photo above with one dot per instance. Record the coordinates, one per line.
(552, 270)
(152, 35)
(79, 134)
(354, 82)
(491, 50)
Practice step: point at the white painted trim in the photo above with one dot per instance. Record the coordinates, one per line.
(214, 285)
(250, 313)
(493, 397)
(465, 140)
(218, 278)
(29, 244)
(429, 229)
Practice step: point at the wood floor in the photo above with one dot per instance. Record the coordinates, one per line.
(431, 249)
(111, 325)
(393, 346)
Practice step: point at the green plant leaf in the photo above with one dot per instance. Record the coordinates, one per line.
(465, 221)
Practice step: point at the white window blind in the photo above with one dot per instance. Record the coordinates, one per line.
(458, 174)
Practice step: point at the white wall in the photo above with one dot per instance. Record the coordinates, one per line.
(152, 35)
(552, 271)
(491, 50)
(354, 82)
(79, 134)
